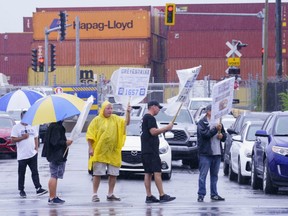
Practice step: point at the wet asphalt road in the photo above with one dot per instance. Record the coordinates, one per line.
(76, 189)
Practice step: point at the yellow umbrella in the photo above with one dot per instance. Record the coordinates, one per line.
(53, 108)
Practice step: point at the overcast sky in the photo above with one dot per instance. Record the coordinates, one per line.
(13, 11)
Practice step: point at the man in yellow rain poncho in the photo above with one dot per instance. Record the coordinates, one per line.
(106, 135)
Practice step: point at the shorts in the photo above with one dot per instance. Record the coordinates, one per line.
(101, 169)
(57, 169)
(151, 163)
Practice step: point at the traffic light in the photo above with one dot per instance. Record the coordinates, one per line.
(262, 55)
(63, 19)
(170, 11)
(53, 57)
(34, 60)
(41, 64)
(240, 45)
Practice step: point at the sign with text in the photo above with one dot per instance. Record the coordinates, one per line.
(233, 62)
(187, 78)
(130, 84)
(222, 98)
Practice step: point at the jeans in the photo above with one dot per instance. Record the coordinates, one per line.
(205, 163)
(32, 163)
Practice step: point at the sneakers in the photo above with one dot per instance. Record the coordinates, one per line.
(95, 198)
(113, 198)
(22, 194)
(200, 198)
(151, 199)
(41, 191)
(217, 198)
(55, 200)
(166, 198)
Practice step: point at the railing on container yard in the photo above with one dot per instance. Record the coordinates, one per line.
(248, 93)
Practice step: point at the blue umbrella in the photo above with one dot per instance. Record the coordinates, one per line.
(19, 100)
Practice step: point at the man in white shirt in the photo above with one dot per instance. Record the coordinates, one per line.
(26, 138)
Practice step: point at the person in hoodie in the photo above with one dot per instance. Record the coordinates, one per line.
(106, 136)
(209, 137)
(55, 149)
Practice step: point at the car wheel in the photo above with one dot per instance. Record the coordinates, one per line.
(232, 176)
(240, 179)
(268, 187)
(225, 168)
(255, 181)
(167, 176)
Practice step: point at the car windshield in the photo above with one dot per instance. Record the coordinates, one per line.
(194, 105)
(250, 136)
(183, 116)
(281, 126)
(133, 129)
(251, 118)
(6, 123)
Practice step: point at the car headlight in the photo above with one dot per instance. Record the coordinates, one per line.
(191, 132)
(8, 138)
(280, 150)
(163, 150)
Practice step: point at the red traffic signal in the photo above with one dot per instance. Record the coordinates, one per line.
(170, 12)
(41, 64)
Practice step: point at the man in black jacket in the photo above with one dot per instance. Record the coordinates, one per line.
(209, 136)
(54, 150)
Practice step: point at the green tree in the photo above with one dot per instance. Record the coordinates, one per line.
(284, 100)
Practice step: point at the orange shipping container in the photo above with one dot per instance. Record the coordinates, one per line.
(102, 52)
(96, 24)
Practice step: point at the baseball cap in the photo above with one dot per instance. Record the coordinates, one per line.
(208, 108)
(154, 103)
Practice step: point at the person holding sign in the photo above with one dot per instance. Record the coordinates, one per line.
(209, 136)
(106, 136)
(150, 153)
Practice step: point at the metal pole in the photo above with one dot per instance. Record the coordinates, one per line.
(259, 14)
(46, 81)
(77, 51)
(265, 57)
(278, 41)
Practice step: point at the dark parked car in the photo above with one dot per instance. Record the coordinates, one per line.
(6, 145)
(235, 130)
(270, 154)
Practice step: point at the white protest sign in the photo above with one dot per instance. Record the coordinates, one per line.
(184, 94)
(81, 119)
(130, 85)
(187, 78)
(222, 98)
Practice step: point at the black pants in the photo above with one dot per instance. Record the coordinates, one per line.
(33, 165)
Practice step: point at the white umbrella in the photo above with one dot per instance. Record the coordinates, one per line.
(19, 100)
